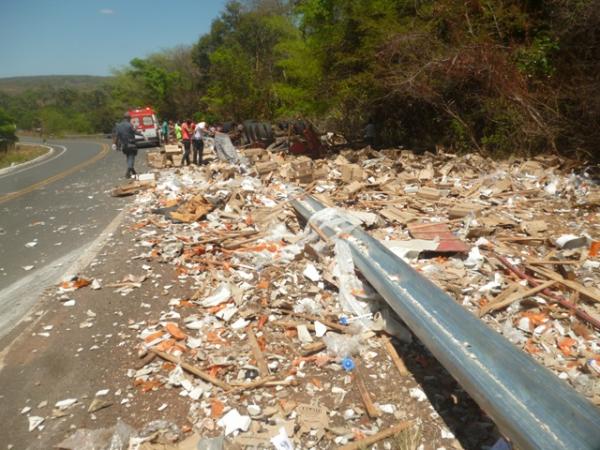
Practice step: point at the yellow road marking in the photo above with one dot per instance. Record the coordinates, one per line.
(7, 197)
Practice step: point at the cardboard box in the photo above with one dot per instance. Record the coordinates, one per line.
(463, 210)
(394, 213)
(302, 165)
(172, 149)
(255, 154)
(265, 167)
(155, 160)
(302, 170)
(351, 172)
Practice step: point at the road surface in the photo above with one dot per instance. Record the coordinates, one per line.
(50, 211)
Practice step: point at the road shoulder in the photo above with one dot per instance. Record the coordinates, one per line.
(37, 159)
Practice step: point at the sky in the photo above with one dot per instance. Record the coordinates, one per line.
(92, 37)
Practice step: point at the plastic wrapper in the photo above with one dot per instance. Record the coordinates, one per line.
(342, 345)
(216, 443)
(224, 149)
(114, 438)
(349, 283)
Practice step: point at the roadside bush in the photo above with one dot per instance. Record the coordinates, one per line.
(8, 131)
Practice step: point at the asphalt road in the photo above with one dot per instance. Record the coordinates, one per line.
(49, 213)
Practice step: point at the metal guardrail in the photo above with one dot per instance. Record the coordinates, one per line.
(530, 405)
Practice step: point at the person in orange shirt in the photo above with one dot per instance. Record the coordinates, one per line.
(186, 136)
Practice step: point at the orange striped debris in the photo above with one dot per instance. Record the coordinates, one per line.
(216, 408)
(594, 249)
(175, 331)
(566, 345)
(154, 336)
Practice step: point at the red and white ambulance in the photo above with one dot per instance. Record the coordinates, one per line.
(144, 120)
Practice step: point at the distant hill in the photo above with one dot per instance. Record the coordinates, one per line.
(16, 85)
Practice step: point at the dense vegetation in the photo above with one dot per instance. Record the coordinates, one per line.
(499, 76)
(7, 131)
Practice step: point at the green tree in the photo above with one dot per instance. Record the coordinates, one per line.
(8, 130)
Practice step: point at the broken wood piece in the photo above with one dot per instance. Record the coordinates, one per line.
(364, 443)
(473, 190)
(396, 359)
(237, 244)
(515, 296)
(286, 382)
(253, 384)
(550, 262)
(359, 380)
(511, 289)
(261, 362)
(145, 361)
(193, 370)
(429, 193)
(592, 294)
(556, 298)
(225, 237)
(317, 230)
(521, 239)
(131, 188)
(393, 213)
(313, 348)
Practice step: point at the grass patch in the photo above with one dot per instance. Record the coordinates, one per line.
(20, 154)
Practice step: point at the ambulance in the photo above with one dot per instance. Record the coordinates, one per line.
(145, 121)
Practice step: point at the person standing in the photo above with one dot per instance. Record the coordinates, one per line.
(171, 131)
(124, 140)
(186, 136)
(164, 130)
(198, 143)
(370, 133)
(177, 132)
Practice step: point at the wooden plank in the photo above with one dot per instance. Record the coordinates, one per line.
(521, 239)
(396, 359)
(495, 305)
(550, 262)
(370, 440)
(587, 292)
(261, 362)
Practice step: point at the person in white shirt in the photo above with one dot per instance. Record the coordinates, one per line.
(198, 143)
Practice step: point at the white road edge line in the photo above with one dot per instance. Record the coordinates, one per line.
(43, 159)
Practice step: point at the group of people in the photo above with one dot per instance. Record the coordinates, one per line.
(190, 135)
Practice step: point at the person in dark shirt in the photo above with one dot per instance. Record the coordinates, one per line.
(370, 133)
(164, 130)
(124, 140)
